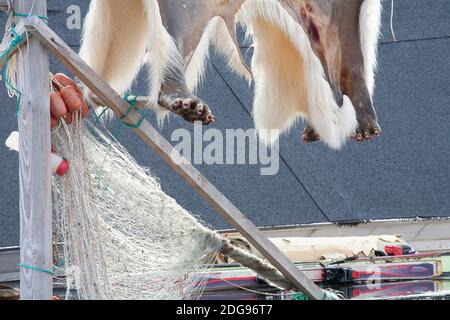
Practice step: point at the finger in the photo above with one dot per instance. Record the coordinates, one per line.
(72, 99)
(54, 122)
(63, 81)
(58, 108)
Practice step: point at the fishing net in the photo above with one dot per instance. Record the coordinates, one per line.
(122, 236)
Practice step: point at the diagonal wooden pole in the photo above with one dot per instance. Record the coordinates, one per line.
(36, 281)
(165, 150)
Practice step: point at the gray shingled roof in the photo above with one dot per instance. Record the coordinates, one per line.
(403, 174)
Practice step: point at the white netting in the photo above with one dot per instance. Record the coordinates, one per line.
(123, 237)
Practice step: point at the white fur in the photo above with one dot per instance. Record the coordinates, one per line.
(370, 26)
(163, 55)
(119, 37)
(286, 90)
(289, 79)
(216, 34)
(115, 49)
(196, 67)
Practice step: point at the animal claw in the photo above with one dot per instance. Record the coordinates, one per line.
(210, 118)
(177, 104)
(377, 132)
(200, 109)
(186, 104)
(310, 135)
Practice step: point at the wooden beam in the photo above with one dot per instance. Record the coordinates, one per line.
(142, 102)
(34, 164)
(165, 150)
(6, 43)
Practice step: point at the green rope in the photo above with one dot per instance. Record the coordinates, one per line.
(298, 296)
(24, 266)
(29, 15)
(97, 119)
(15, 42)
(132, 107)
(50, 272)
(116, 132)
(132, 103)
(131, 100)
